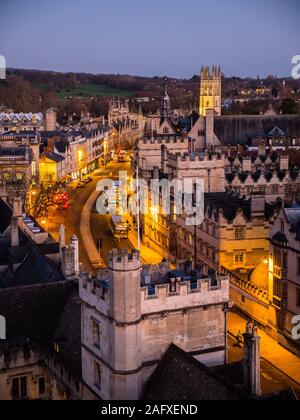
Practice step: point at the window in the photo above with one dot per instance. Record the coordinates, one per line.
(262, 190)
(274, 189)
(277, 288)
(239, 233)
(277, 257)
(19, 388)
(42, 387)
(298, 259)
(239, 257)
(201, 133)
(249, 190)
(282, 225)
(97, 375)
(96, 333)
(284, 260)
(166, 130)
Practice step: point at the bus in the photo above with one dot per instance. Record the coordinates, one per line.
(119, 227)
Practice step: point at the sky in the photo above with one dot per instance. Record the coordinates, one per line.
(151, 37)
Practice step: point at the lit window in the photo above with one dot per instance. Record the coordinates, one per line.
(239, 257)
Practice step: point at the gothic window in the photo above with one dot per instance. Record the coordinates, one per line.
(166, 130)
(96, 334)
(42, 387)
(97, 375)
(19, 388)
(277, 288)
(201, 133)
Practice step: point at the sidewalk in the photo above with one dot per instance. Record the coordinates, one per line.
(271, 351)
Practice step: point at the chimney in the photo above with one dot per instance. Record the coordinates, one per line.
(68, 261)
(209, 120)
(257, 205)
(75, 245)
(14, 224)
(62, 237)
(252, 360)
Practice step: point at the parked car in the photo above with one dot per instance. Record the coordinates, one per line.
(88, 180)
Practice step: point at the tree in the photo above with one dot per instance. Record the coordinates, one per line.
(289, 106)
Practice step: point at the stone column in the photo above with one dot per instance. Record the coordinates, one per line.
(252, 360)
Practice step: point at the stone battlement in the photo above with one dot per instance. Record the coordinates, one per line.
(194, 157)
(121, 260)
(184, 294)
(164, 140)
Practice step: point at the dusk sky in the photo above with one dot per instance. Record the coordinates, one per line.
(151, 37)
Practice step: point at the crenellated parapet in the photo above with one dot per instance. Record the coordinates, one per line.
(94, 291)
(178, 294)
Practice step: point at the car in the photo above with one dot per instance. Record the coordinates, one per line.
(88, 180)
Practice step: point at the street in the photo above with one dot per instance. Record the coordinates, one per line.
(71, 217)
(99, 226)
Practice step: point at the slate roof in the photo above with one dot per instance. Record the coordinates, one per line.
(61, 146)
(293, 217)
(179, 376)
(55, 157)
(236, 129)
(231, 203)
(35, 269)
(45, 314)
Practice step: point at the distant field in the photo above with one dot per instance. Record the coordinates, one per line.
(89, 91)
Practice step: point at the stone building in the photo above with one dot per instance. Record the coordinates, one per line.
(40, 354)
(19, 164)
(17, 122)
(131, 315)
(233, 235)
(284, 269)
(210, 90)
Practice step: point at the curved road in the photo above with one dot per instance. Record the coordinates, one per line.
(99, 224)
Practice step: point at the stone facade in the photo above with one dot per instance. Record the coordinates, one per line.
(210, 90)
(127, 328)
(284, 266)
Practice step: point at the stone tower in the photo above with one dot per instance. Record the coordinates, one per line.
(166, 111)
(210, 90)
(111, 329)
(51, 119)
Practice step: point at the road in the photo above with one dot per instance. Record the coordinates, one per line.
(279, 367)
(70, 218)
